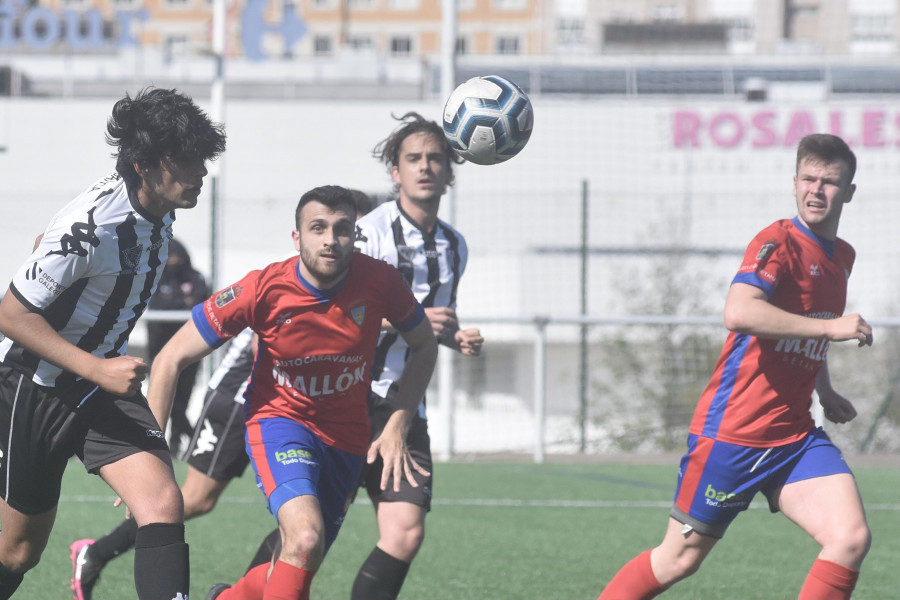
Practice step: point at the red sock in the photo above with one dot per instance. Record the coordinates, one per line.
(828, 581)
(288, 582)
(250, 585)
(634, 581)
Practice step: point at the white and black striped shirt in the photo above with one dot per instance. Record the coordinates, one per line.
(91, 276)
(431, 264)
(235, 368)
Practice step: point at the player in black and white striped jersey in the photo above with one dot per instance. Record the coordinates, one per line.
(67, 385)
(215, 456)
(431, 255)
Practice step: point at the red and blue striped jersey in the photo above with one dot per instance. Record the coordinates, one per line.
(761, 391)
(315, 346)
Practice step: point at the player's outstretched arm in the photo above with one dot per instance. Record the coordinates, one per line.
(748, 310)
(185, 348)
(391, 444)
(121, 375)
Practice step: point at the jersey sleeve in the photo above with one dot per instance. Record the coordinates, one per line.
(60, 260)
(227, 312)
(765, 261)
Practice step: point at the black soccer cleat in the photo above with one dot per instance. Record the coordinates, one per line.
(85, 572)
(215, 590)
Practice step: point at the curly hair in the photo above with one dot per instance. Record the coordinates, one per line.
(157, 124)
(387, 150)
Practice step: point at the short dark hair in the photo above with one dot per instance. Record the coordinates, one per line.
(156, 124)
(332, 196)
(388, 150)
(364, 204)
(827, 148)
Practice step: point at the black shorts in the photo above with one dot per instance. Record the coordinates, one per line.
(42, 427)
(419, 444)
(217, 447)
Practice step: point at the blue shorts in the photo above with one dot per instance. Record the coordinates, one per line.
(716, 481)
(290, 461)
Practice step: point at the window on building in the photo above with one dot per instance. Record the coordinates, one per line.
(403, 4)
(401, 46)
(177, 3)
(872, 27)
(465, 5)
(570, 31)
(323, 4)
(361, 4)
(360, 42)
(510, 4)
(667, 12)
(175, 46)
(507, 45)
(462, 45)
(322, 45)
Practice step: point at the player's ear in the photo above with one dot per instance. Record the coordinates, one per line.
(395, 174)
(295, 235)
(850, 191)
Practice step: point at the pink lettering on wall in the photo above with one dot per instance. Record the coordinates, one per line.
(774, 128)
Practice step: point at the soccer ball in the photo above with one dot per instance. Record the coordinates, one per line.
(488, 119)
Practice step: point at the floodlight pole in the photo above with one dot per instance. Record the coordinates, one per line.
(217, 113)
(446, 356)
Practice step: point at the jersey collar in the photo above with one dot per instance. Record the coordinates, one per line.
(826, 245)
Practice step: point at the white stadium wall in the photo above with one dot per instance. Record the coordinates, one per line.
(700, 175)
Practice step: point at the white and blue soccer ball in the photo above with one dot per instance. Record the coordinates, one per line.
(488, 119)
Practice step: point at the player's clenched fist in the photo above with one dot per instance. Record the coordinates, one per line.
(122, 375)
(850, 327)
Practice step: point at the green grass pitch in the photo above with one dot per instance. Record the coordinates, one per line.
(500, 531)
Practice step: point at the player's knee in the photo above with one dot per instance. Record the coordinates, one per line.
(308, 543)
(684, 565)
(855, 540)
(197, 507)
(166, 506)
(403, 542)
(22, 557)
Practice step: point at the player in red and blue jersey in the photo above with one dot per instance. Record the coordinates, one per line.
(317, 317)
(752, 430)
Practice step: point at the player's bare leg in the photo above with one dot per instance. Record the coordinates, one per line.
(680, 554)
(401, 529)
(401, 532)
(22, 541)
(201, 493)
(161, 561)
(830, 510)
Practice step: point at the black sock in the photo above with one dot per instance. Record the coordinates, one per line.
(380, 577)
(266, 549)
(119, 540)
(9, 582)
(162, 568)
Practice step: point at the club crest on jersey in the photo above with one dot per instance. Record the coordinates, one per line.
(359, 314)
(406, 252)
(765, 251)
(226, 296)
(131, 258)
